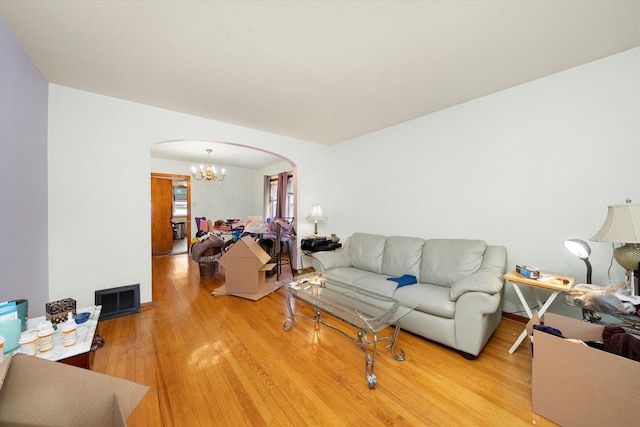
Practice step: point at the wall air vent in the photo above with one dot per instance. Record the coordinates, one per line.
(119, 301)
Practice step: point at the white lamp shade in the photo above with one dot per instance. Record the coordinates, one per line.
(316, 213)
(621, 226)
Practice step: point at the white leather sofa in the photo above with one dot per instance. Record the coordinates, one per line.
(458, 296)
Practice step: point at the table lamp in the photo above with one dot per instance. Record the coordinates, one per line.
(581, 249)
(622, 225)
(316, 214)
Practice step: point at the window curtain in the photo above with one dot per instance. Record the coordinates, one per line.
(267, 196)
(281, 204)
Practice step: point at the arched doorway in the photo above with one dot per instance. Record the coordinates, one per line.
(180, 155)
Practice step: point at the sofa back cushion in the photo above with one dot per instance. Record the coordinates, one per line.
(444, 261)
(402, 256)
(366, 251)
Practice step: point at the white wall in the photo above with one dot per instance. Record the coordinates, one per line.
(526, 168)
(23, 177)
(99, 152)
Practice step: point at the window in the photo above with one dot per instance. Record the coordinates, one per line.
(273, 197)
(179, 201)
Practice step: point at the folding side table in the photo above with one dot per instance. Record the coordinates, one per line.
(556, 289)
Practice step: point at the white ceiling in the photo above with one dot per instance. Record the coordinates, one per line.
(322, 71)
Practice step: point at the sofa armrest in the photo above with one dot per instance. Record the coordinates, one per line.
(486, 282)
(323, 261)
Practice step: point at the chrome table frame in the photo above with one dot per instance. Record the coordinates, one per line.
(368, 312)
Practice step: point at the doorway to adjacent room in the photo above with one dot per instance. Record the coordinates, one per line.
(170, 213)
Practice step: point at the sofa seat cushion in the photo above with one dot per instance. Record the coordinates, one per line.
(428, 298)
(445, 261)
(377, 284)
(348, 275)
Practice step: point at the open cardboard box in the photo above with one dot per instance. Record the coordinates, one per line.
(576, 385)
(39, 392)
(245, 264)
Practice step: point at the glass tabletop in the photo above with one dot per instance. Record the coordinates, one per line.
(361, 308)
(630, 321)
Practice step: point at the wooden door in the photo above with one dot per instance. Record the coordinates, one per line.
(161, 206)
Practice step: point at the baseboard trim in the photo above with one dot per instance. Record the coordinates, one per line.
(515, 318)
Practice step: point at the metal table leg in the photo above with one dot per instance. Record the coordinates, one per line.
(288, 324)
(392, 344)
(369, 357)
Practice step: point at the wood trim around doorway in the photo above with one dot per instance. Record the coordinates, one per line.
(188, 179)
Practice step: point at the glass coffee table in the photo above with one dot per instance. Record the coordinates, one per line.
(629, 322)
(368, 312)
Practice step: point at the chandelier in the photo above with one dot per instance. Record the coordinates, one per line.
(209, 173)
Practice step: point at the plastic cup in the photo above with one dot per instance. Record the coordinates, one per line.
(28, 341)
(45, 336)
(69, 333)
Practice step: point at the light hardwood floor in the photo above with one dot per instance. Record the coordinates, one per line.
(227, 361)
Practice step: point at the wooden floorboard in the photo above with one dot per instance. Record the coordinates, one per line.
(224, 360)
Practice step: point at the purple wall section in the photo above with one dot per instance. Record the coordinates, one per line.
(24, 268)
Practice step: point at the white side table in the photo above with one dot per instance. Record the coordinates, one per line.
(556, 289)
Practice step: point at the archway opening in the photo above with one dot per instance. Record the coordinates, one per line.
(240, 195)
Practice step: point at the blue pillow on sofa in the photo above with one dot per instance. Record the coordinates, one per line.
(404, 280)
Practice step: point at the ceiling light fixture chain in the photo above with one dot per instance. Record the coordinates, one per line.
(209, 173)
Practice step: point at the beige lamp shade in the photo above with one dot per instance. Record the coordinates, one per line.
(622, 225)
(315, 214)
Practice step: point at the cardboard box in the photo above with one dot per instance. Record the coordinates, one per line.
(245, 264)
(576, 385)
(39, 392)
